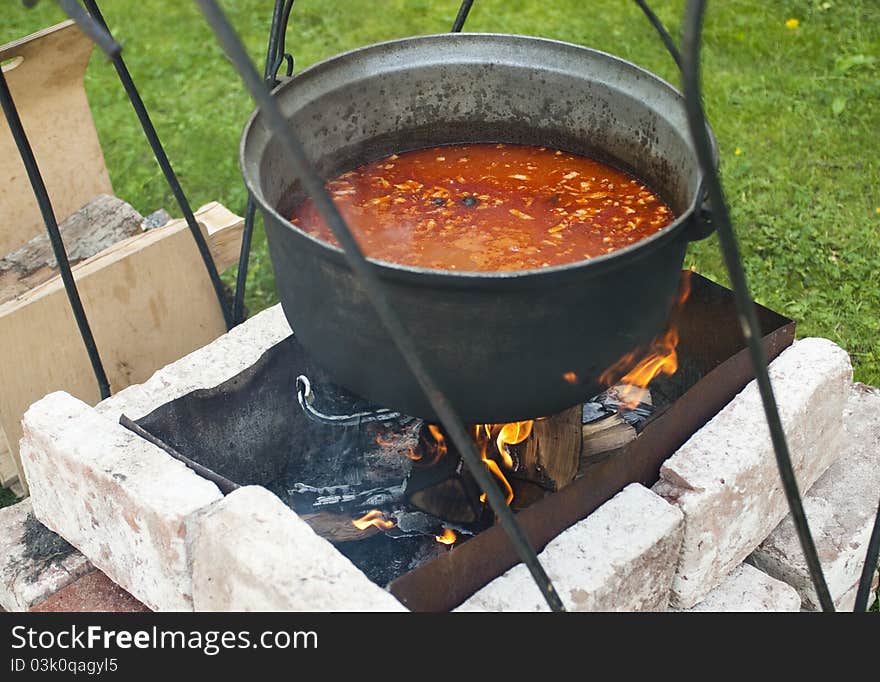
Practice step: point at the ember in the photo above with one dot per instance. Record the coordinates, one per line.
(447, 538)
(373, 518)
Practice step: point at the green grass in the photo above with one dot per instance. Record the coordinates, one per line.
(7, 497)
(796, 113)
(802, 106)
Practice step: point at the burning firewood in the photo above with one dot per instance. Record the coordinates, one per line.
(338, 527)
(550, 455)
(438, 483)
(528, 459)
(610, 422)
(344, 497)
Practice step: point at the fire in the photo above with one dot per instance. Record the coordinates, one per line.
(485, 436)
(440, 446)
(447, 538)
(570, 377)
(661, 357)
(502, 435)
(373, 518)
(412, 454)
(512, 434)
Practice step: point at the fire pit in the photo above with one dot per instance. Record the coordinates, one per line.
(169, 536)
(393, 496)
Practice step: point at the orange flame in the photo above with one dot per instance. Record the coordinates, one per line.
(440, 448)
(447, 538)
(661, 357)
(413, 455)
(502, 435)
(485, 435)
(383, 443)
(570, 377)
(512, 434)
(372, 518)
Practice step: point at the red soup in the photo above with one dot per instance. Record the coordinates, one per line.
(489, 207)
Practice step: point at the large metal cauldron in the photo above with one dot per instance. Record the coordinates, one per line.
(498, 344)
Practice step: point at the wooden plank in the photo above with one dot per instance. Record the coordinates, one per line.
(45, 73)
(148, 300)
(8, 470)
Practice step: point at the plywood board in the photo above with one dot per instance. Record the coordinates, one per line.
(8, 470)
(45, 74)
(148, 300)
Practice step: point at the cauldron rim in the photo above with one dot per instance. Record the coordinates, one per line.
(438, 276)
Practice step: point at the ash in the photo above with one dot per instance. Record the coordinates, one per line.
(42, 548)
(383, 558)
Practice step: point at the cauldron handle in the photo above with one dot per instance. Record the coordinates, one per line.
(701, 225)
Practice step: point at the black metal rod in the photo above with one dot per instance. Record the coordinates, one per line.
(870, 567)
(745, 307)
(224, 484)
(462, 16)
(314, 186)
(247, 237)
(277, 29)
(99, 35)
(170, 177)
(45, 204)
(671, 47)
(282, 42)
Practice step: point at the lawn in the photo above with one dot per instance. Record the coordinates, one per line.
(795, 110)
(795, 106)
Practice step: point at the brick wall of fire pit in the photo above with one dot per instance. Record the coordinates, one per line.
(710, 535)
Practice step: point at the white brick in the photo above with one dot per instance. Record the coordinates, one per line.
(206, 367)
(25, 579)
(847, 601)
(620, 558)
(252, 553)
(840, 508)
(725, 478)
(120, 500)
(747, 589)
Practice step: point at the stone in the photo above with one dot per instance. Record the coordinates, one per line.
(253, 553)
(840, 509)
(92, 593)
(157, 218)
(120, 500)
(847, 601)
(725, 479)
(206, 367)
(34, 562)
(620, 558)
(747, 589)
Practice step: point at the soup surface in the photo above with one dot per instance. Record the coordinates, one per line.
(489, 207)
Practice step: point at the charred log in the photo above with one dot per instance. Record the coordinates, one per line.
(337, 528)
(437, 484)
(610, 422)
